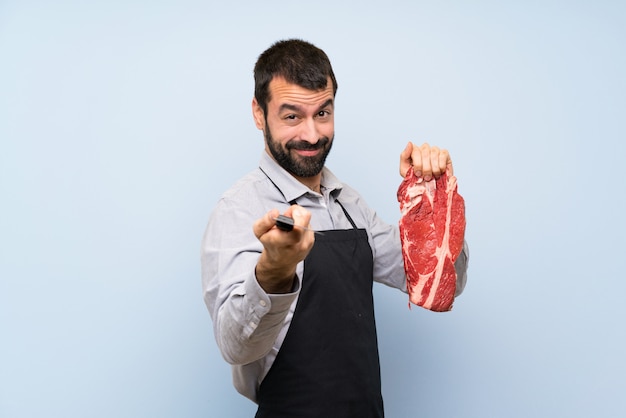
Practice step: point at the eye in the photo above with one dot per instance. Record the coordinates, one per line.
(290, 117)
(323, 113)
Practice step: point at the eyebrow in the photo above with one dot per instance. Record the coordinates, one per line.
(296, 108)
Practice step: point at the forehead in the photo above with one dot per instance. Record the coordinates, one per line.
(283, 92)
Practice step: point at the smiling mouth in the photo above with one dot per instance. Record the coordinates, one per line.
(307, 152)
(307, 148)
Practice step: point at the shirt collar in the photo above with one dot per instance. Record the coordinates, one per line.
(291, 188)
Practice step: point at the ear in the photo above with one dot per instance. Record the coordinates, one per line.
(258, 115)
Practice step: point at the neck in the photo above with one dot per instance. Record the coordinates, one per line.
(313, 183)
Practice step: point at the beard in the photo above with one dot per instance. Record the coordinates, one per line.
(295, 164)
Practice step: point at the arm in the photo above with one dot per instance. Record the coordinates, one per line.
(246, 317)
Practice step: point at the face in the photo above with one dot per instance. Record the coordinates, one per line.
(298, 126)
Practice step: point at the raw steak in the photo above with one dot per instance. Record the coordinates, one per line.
(432, 230)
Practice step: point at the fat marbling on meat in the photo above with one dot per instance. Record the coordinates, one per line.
(432, 230)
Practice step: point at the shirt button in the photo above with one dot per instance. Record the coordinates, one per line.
(253, 324)
(263, 303)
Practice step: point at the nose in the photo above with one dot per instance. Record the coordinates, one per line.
(309, 131)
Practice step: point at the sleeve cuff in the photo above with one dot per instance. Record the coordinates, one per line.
(265, 303)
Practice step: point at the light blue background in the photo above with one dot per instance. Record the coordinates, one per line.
(121, 123)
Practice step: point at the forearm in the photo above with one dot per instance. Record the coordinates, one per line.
(248, 321)
(274, 279)
(249, 279)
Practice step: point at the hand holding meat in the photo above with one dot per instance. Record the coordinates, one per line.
(282, 250)
(427, 161)
(432, 227)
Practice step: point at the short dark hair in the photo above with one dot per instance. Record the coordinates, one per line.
(298, 62)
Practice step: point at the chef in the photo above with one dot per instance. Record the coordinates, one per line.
(290, 253)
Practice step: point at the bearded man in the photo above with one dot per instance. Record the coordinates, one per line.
(292, 308)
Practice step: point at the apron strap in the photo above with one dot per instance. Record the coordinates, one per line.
(293, 202)
(347, 214)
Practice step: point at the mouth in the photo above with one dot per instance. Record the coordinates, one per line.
(306, 149)
(307, 152)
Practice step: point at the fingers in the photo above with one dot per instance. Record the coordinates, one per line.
(265, 227)
(427, 161)
(265, 224)
(435, 156)
(282, 250)
(445, 162)
(427, 170)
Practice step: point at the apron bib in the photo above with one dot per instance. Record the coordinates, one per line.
(328, 363)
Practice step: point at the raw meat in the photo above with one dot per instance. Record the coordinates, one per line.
(432, 229)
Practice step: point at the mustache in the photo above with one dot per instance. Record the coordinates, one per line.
(307, 146)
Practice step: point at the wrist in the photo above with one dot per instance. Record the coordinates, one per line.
(275, 279)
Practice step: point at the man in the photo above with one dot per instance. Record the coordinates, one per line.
(292, 310)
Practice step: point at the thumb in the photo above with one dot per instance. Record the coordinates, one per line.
(405, 159)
